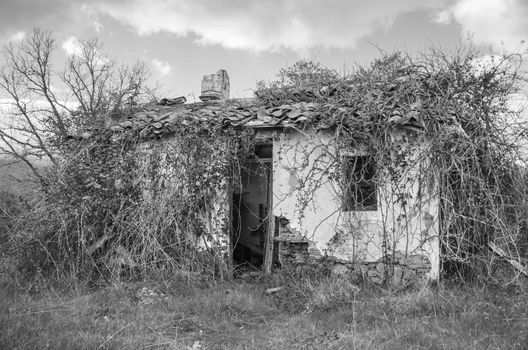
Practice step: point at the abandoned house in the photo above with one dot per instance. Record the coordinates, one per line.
(304, 192)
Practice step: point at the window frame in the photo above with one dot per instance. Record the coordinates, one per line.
(364, 196)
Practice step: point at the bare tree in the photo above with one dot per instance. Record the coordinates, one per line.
(101, 88)
(37, 118)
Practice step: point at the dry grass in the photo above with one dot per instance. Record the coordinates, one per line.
(318, 313)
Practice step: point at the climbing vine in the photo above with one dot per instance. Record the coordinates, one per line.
(442, 132)
(439, 131)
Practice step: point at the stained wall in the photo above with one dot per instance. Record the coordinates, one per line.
(307, 193)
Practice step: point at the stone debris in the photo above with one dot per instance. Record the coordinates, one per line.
(287, 233)
(148, 296)
(293, 252)
(396, 270)
(293, 247)
(340, 269)
(270, 291)
(196, 345)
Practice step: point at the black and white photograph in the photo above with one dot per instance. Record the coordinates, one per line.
(271, 174)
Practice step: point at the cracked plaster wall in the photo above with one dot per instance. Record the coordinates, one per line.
(410, 229)
(314, 213)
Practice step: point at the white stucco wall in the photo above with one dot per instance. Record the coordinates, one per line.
(311, 200)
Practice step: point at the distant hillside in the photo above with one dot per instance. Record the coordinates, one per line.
(15, 177)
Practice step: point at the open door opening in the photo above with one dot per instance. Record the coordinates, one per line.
(251, 209)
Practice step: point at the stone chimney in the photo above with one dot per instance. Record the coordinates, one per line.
(215, 86)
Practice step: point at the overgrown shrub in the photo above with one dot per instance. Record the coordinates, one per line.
(116, 208)
(11, 205)
(130, 209)
(462, 105)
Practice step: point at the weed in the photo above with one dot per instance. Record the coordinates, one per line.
(238, 315)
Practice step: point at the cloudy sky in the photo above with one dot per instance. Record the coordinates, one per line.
(181, 40)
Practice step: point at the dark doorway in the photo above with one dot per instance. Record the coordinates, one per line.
(251, 207)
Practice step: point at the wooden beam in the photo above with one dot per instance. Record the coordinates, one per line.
(512, 261)
(270, 232)
(268, 248)
(230, 233)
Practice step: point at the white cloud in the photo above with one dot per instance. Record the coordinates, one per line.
(499, 23)
(487, 63)
(263, 25)
(98, 26)
(72, 46)
(18, 36)
(162, 67)
(91, 17)
(303, 24)
(442, 17)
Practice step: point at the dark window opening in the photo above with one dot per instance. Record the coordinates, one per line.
(359, 184)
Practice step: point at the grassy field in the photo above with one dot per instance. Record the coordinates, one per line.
(308, 313)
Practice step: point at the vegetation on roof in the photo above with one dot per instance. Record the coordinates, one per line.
(458, 105)
(461, 106)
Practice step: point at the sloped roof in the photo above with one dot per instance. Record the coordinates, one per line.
(283, 108)
(155, 120)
